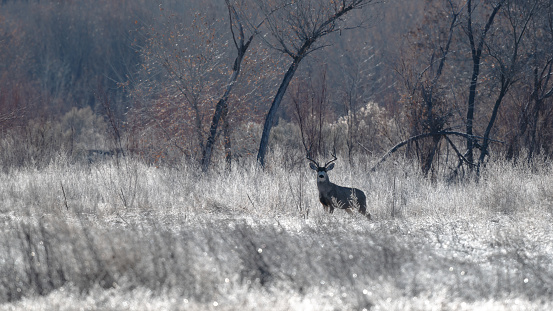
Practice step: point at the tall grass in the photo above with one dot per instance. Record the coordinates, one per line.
(124, 235)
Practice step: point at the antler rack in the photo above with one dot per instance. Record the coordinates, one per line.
(334, 159)
(314, 162)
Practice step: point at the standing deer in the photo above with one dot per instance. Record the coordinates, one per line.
(334, 196)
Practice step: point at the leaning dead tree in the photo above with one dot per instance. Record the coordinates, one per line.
(439, 135)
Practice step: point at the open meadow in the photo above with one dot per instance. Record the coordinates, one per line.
(161, 155)
(120, 235)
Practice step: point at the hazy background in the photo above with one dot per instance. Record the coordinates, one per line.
(143, 78)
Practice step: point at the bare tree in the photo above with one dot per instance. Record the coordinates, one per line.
(242, 42)
(309, 98)
(477, 39)
(185, 66)
(535, 117)
(506, 53)
(498, 36)
(297, 30)
(427, 98)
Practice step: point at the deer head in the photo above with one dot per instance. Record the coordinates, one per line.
(322, 175)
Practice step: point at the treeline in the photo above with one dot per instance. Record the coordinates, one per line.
(449, 83)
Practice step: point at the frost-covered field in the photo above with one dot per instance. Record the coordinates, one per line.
(131, 237)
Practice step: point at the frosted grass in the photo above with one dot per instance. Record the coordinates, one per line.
(124, 235)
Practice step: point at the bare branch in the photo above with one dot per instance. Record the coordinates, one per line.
(425, 135)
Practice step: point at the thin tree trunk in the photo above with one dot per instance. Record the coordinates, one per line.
(486, 140)
(540, 93)
(427, 164)
(476, 59)
(220, 108)
(470, 109)
(274, 108)
(226, 135)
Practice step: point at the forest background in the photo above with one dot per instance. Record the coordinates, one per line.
(453, 81)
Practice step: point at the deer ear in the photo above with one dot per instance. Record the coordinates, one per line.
(313, 166)
(331, 166)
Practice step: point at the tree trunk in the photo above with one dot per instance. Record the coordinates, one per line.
(226, 135)
(486, 140)
(429, 158)
(222, 108)
(476, 59)
(219, 109)
(268, 125)
(470, 109)
(208, 149)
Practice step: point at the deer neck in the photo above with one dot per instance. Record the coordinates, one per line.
(325, 184)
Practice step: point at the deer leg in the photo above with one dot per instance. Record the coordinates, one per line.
(367, 214)
(328, 207)
(363, 211)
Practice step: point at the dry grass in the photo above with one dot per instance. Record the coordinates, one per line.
(134, 237)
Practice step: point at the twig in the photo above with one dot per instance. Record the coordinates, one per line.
(122, 196)
(64, 197)
(461, 156)
(253, 205)
(121, 217)
(394, 199)
(365, 148)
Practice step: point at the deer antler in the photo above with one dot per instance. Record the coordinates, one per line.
(314, 162)
(334, 159)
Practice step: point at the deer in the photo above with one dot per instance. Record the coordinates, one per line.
(333, 196)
